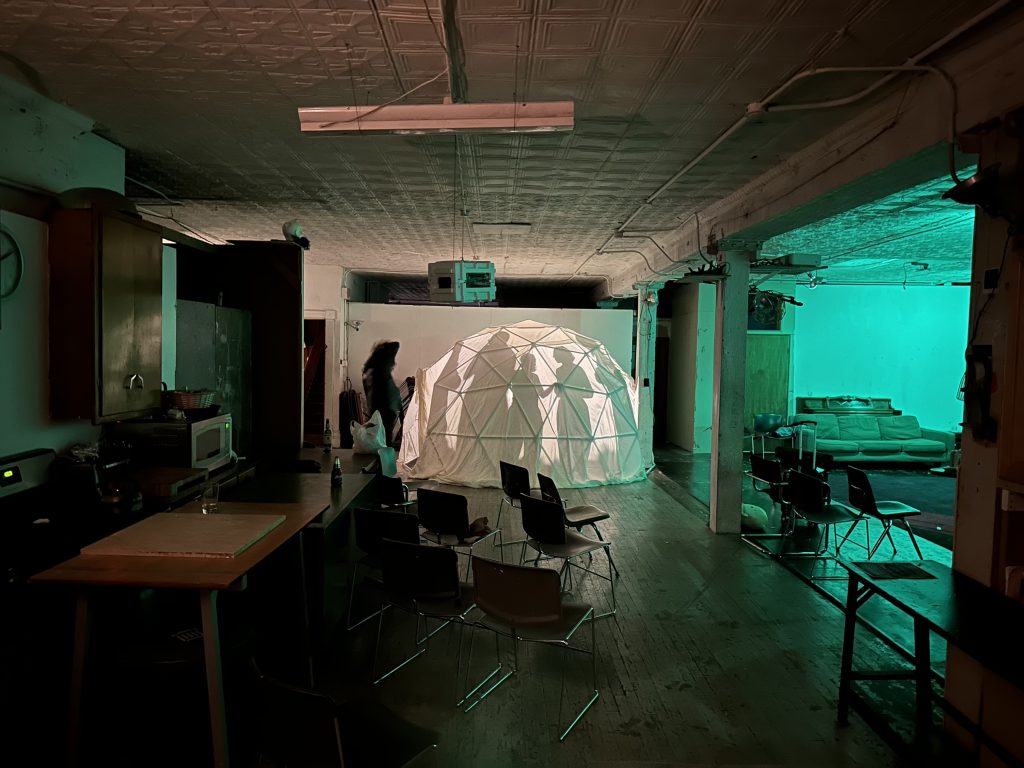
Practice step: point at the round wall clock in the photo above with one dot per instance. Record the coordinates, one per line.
(11, 264)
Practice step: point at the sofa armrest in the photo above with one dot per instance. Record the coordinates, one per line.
(946, 438)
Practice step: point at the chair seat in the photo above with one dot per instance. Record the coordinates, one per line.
(895, 509)
(831, 514)
(372, 734)
(446, 608)
(553, 632)
(585, 514)
(451, 540)
(576, 544)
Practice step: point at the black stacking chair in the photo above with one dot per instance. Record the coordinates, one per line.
(298, 726)
(392, 492)
(862, 497)
(811, 499)
(808, 462)
(767, 476)
(515, 482)
(445, 516)
(575, 517)
(547, 535)
(424, 581)
(372, 527)
(526, 604)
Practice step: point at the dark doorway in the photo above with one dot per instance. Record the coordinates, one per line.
(314, 333)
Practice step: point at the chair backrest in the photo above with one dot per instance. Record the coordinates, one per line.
(391, 491)
(860, 494)
(767, 471)
(515, 594)
(515, 480)
(809, 462)
(548, 489)
(543, 520)
(420, 572)
(442, 512)
(375, 525)
(807, 493)
(296, 725)
(388, 463)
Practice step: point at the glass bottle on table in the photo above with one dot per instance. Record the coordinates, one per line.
(328, 436)
(336, 475)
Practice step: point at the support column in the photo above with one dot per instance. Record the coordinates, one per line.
(646, 340)
(727, 405)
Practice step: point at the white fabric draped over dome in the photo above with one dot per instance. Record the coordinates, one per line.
(541, 396)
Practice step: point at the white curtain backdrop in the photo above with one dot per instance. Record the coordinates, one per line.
(540, 396)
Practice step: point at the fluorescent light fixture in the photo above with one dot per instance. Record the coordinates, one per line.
(508, 228)
(506, 117)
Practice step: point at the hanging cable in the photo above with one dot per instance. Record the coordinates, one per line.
(455, 190)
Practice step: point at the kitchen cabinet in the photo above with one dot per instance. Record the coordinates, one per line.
(105, 315)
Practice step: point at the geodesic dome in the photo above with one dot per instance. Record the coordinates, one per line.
(540, 396)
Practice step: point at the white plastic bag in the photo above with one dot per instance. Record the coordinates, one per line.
(368, 437)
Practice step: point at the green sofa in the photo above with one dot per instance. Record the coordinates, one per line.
(861, 439)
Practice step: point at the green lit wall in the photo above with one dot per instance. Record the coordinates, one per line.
(884, 341)
(43, 146)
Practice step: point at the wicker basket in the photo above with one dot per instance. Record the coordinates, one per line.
(185, 400)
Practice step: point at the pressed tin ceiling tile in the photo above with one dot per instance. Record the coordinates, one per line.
(204, 96)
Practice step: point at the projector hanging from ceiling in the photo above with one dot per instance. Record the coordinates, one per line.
(505, 117)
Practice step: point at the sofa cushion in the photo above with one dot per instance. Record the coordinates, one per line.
(922, 446)
(828, 427)
(879, 446)
(859, 428)
(837, 446)
(899, 427)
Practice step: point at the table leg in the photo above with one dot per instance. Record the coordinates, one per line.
(922, 679)
(214, 678)
(307, 623)
(77, 677)
(846, 668)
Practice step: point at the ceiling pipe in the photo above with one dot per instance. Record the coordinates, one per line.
(894, 71)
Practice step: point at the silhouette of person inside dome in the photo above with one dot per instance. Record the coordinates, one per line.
(525, 423)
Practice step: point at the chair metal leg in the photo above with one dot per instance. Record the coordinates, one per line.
(594, 696)
(351, 600)
(849, 531)
(417, 654)
(502, 679)
(913, 538)
(886, 525)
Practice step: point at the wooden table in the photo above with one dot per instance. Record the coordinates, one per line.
(312, 501)
(978, 620)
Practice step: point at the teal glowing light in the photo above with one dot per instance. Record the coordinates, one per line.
(878, 241)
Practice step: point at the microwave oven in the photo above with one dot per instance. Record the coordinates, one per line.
(199, 444)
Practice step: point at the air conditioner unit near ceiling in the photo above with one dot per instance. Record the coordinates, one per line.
(461, 282)
(788, 264)
(808, 260)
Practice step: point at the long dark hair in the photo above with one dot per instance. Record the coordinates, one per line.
(382, 358)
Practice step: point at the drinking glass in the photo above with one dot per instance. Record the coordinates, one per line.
(211, 493)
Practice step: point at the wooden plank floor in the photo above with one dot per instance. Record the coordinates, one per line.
(717, 657)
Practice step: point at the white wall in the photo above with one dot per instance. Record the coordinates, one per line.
(427, 332)
(24, 353)
(884, 341)
(48, 147)
(691, 367)
(322, 300)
